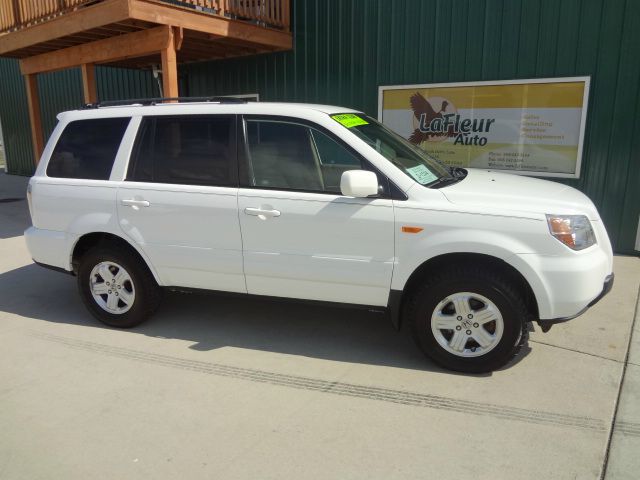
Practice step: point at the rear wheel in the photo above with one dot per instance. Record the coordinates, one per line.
(117, 287)
(469, 321)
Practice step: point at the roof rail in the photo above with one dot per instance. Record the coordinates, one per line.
(159, 100)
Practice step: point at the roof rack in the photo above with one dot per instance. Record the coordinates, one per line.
(159, 100)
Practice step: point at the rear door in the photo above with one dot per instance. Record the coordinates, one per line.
(302, 238)
(179, 200)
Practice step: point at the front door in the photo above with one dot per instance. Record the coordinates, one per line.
(179, 201)
(301, 237)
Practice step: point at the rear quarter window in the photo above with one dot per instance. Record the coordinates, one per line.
(87, 149)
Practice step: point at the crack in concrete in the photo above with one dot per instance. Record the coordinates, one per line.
(577, 351)
(629, 428)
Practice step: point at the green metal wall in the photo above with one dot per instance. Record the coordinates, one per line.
(14, 119)
(59, 91)
(345, 49)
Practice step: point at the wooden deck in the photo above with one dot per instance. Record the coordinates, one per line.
(211, 29)
(50, 35)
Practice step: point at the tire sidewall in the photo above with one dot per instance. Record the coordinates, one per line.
(498, 356)
(136, 313)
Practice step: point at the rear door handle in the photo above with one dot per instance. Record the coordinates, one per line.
(130, 202)
(260, 212)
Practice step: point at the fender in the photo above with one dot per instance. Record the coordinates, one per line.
(469, 241)
(73, 240)
(411, 254)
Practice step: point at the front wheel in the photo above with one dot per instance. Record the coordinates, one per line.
(469, 321)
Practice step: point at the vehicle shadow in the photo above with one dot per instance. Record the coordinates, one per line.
(217, 320)
(15, 215)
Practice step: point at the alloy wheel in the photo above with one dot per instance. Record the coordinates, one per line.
(112, 287)
(467, 324)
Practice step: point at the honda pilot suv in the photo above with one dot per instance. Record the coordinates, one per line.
(314, 203)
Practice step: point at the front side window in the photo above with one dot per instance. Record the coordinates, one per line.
(188, 150)
(413, 161)
(290, 156)
(87, 149)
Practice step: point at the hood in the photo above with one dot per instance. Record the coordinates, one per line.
(509, 192)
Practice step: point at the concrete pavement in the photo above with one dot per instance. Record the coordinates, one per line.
(623, 459)
(217, 387)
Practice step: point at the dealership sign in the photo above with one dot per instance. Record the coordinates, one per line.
(531, 127)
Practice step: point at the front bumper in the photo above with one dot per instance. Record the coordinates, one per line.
(546, 325)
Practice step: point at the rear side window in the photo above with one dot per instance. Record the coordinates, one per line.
(87, 149)
(187, 150)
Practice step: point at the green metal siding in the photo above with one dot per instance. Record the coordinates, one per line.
(59, 91)
(15, 119)
(345, 49)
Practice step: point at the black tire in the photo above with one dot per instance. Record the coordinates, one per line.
(508, 300)
(147, 292)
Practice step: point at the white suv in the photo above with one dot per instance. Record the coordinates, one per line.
(316, 203)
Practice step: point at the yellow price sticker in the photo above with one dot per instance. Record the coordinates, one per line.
(349, 120)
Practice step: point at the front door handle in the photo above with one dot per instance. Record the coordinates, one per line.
(261, 212)
(130, 202)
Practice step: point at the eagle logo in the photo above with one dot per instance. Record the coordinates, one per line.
(424, 108)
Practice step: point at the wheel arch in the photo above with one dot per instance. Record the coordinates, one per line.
(397, 301)
(89, 240)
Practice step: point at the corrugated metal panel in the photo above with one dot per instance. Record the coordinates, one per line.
(59, 91)
(15, 119)
(345, 49)
(120, 83)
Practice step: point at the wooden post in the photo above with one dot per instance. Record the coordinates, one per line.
(287, 14)
(89, 87)
(169, 69)
(33, 102)
(178, 36)
(17, 14)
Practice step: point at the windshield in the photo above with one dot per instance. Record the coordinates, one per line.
(413, 161)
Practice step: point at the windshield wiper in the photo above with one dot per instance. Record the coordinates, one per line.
(457, 174)
(443, 182)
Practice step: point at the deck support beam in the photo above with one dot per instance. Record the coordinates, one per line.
(130, 45)
(89, 86)
(33, 103)
(170, 68)
(159, 40)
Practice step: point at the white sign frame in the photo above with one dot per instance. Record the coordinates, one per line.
(583, 118)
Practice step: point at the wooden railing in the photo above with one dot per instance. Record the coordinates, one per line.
(17, 14)
(268, 12)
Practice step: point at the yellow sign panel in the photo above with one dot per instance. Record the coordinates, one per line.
(522, 126)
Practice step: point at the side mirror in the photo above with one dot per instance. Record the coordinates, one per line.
(358, 183)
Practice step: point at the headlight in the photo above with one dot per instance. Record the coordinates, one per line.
(573, 230)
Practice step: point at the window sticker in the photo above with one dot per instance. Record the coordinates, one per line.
(422, 174)
(349, 120)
